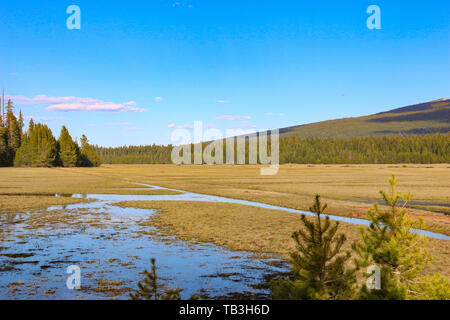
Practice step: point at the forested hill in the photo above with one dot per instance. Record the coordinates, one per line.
(424, 118)
(412, 134)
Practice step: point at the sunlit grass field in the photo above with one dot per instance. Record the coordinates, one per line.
(244, 228)
(348, 190)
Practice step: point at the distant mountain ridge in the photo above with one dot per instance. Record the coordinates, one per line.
(424, 118)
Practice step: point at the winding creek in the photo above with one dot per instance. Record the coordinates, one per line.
(113, 246)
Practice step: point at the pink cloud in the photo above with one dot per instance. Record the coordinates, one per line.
(159, 99)
(44, 99)
(101, 107)
(76, 104)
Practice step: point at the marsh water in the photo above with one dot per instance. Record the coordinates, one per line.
(112, 246)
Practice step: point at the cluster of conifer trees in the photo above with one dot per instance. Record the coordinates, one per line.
(37, 147)
(384, 149)
(152, 154)
(357, 150)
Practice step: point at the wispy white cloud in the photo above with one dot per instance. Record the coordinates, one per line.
(76, 104)
(44, 99)
(159, 99)
(222, 101)
(100, 107)
(231, 118)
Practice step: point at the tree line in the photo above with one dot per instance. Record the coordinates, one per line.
(385, 149)
(151, 154)
(425, 149)
(37, 147)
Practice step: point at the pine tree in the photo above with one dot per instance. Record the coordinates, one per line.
(391, 244)
(319, 268)
(14, 132)
(21, 123)
(150, 289)
(68, 149)
(88, 156)
(4, 150)
(39, 149)
(434, 287)
(30, 126)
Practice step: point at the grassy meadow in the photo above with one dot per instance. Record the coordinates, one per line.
(348, 190)
(244, 228)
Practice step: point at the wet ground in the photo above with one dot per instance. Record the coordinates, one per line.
(112, 246)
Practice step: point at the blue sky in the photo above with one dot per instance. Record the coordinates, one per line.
(139, 69)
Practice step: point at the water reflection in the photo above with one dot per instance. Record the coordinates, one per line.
(112, 245)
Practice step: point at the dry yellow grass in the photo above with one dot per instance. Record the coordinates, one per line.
(348, 190)
(244, 228)
(22, 189)
(18, 204)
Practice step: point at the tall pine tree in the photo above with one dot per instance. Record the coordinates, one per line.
(68, 150)
(4, 149)
(319, 267)
(14, 130)
(391, 244)
(88, 156)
